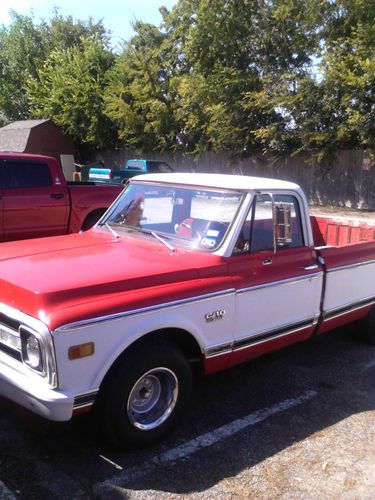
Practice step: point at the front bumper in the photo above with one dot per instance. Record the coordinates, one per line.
(33, 393)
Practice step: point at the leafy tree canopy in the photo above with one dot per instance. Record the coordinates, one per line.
(25, 47)
(240, 76)
(69, 89)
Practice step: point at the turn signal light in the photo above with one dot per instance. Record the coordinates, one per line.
(81, 351)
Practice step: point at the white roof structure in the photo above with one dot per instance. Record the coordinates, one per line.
(221, 181)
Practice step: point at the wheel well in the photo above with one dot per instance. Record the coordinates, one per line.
(180, 338)
(92, 218)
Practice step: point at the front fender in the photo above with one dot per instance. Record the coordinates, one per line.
(112, 336)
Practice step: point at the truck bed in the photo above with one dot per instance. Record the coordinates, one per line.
(347, 248)
(338, 232)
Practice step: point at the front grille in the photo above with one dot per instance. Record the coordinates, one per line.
(11, 352)
(11, 323)
(10, 341)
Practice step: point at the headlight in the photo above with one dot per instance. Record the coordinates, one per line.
(32, 353)
(34, 357)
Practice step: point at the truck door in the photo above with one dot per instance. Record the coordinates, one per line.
(277, 278)
(34, 202)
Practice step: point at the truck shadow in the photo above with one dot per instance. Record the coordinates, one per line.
(337, 367)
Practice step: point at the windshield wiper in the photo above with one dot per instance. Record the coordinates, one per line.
(116, 235)
(159, 238)
(162, 240)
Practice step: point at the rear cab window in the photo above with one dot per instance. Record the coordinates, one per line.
(139, 165)
(149, 166)
(23, 174)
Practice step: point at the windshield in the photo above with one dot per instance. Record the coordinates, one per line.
(186, 216)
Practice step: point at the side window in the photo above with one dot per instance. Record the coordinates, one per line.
(20, 174)
(296, 233)
(258, 230)
(261, 237)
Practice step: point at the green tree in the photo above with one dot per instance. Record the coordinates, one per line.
(331, 106)
(64, 32)
(348, 71)
(140, 97)
(69, 89)
(228, 51)
(231, 75)
(22, 51)
(24, 48)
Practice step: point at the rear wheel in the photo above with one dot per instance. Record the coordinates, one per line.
(92, 219)
(144, 396)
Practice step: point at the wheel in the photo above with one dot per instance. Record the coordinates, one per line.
(368, 326)
(144, 396)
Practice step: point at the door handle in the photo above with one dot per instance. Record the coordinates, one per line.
(267, 261)
(311, 268)
(57, 196)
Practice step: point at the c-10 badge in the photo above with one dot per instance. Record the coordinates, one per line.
(213, 316)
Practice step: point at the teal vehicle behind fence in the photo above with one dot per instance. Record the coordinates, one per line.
(128, 170)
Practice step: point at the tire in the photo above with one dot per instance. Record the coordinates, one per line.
(368, 327)
(145, 394)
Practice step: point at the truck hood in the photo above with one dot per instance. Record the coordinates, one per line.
(65, 278)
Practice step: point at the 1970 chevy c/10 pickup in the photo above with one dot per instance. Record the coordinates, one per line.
(182, 269)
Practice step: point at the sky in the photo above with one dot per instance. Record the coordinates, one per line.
(117, 15)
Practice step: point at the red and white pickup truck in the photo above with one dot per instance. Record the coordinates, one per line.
(182, 270)
(36, 200)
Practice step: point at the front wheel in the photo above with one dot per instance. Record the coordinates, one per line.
(144, 396)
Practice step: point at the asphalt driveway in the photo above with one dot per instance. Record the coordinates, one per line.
(299, 423)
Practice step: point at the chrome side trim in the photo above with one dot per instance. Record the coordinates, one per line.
(218, 350)
(259, 338)
(101, 319)
(350, 266)
(316, 319)
(341, 311)
(87, 405)
(84, 400)
(230, 291)
(281, 282)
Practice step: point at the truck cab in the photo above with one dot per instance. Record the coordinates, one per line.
(34, 198)
(37, 201)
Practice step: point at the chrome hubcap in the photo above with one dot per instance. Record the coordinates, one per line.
(152, 398)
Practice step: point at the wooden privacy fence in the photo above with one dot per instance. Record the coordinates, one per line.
(348, 182)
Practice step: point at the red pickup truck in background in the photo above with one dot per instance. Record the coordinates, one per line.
(36, 200)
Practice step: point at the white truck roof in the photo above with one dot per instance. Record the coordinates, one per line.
(221, 181)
